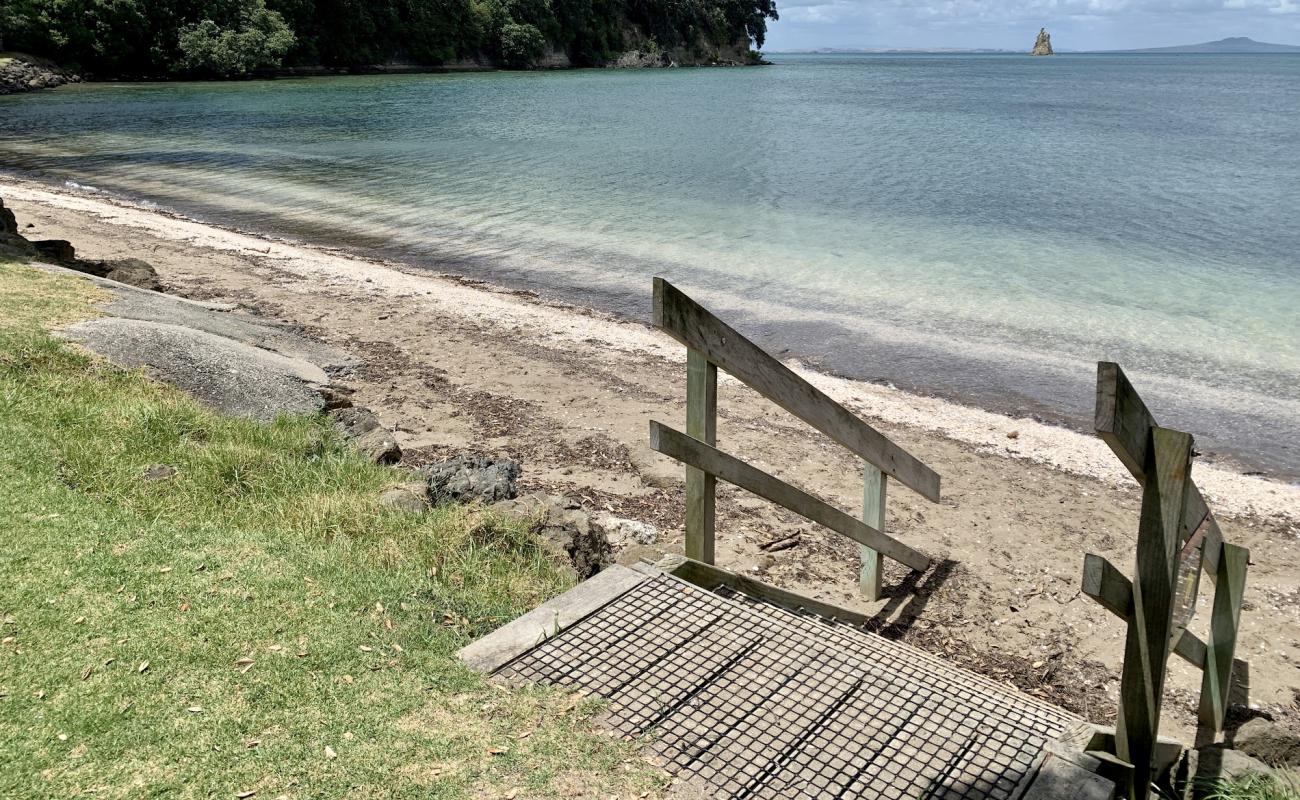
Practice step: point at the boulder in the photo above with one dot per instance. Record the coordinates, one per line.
(628, 531)
(568, 533)
(132, 272)
(409, 497)
(57, 249)
(361, 427)
(1269, 742)
(1218, 762)
(8, 222)
(467, 478)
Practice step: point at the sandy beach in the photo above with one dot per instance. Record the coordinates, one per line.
(453, 365)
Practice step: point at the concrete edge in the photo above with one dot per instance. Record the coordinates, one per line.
(511, 640)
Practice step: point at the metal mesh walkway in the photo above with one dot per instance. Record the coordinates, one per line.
(753, 701)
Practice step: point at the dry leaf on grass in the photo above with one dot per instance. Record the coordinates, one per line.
(244, 664)
(195, 709)
(243, 795)
(144, 667)
(329, 752)
(87, 672)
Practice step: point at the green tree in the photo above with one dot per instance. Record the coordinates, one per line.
(521, 45)
(258, 40)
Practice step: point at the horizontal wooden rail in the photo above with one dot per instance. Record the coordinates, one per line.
(1124, 423)
(695, 453)
(1110, 588)
(696, 327)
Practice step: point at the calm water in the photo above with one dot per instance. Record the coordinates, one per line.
(983, 227)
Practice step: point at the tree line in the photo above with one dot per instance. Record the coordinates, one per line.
(194, 38)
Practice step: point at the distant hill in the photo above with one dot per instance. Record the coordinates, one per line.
(1234, 44)
(840, 51)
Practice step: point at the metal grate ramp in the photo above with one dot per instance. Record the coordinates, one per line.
(747, 700)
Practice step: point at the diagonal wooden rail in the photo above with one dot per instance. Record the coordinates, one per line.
(1177, 538)
(712, 344)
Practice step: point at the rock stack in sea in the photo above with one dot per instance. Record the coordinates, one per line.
(1043, 46)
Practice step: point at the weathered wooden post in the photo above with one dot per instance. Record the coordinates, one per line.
(1177, 538)
(1225, 617)
(871, 577)
(702, 424)
(1147, 645)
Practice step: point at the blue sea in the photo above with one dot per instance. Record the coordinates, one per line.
(984, 228)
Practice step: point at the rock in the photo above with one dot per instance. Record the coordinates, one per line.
(409, 497)
(1043, 45)
(630, 531)
(567, 532)
(1220, 762)
(57, 249)
(132, 272)
(158, 472)
(354, 421)
(22, 74)
(231, 376)
(379, 446)
(336, 397)
(8, 222)
(642, 59)
(1269, 742)
(361, 427)
(467, 478)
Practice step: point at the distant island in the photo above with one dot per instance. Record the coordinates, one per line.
(1233, 44)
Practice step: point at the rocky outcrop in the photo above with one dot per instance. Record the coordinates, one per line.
(361, 427)
(410, 497)
(1043, 46)
(643, 53)
(642, 59)
(627, 532)
(131, 271)
(570, 535)
(22, 74)
(467, 478)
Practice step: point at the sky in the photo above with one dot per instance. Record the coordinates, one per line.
(1013, 24)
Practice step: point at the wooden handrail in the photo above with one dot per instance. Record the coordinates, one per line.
(696, 327)
(712, 461)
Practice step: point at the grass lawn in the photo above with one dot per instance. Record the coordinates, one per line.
(255, 623)
(1285, 786)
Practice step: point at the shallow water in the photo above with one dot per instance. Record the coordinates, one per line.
(983, 227)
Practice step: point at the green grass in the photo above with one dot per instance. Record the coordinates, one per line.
(1286, 786)
(256, 622)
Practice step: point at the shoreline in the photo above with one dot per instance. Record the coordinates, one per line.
(1055, 443)
(454, 365)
